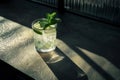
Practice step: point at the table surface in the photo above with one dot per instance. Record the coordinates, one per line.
(17, 50)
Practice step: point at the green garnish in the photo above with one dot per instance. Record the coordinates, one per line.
(46, 22)
(37, 31)
(50, 19)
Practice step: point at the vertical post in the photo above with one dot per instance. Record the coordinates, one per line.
(60, 6)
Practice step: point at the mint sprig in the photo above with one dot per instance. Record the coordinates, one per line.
(50, 19)
(45, 23)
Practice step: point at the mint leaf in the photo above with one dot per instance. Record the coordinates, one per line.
(43, 22)
(50, 19)
(51, 16)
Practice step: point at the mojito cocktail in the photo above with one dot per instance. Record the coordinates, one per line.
(45, 32)
(44, 40)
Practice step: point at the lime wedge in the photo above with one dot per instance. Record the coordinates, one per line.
(37, 28)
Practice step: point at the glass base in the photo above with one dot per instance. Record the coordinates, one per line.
(45, 50)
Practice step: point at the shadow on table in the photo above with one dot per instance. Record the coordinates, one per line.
(7, 72)
(62, 66)
(95, 66)
(104, 70)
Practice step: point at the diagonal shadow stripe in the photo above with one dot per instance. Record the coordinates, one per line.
(93, 64)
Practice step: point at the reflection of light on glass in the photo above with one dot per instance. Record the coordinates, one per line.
(103, 63)
(78, 60)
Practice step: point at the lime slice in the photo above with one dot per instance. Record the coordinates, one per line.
(37, 28)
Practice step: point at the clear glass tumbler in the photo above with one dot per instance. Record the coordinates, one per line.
(44, 39)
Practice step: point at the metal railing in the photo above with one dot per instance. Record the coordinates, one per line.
(52, 3)
(102, 9)
(107, 10)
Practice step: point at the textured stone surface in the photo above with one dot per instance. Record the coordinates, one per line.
(17, 49)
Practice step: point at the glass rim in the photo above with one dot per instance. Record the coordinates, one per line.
(38, 19)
